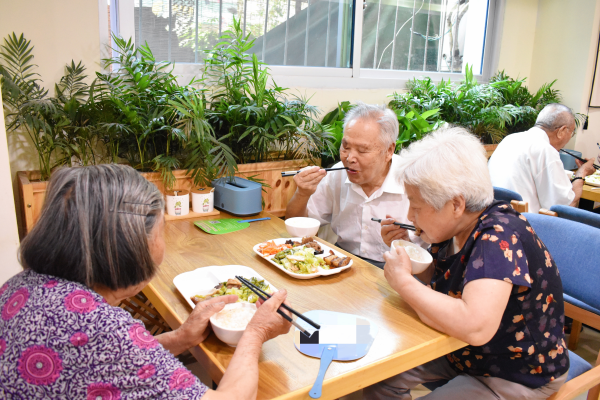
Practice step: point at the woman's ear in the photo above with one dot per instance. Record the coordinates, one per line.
(459, 206)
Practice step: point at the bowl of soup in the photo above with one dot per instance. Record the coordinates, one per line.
(420, 258)
(230, 323)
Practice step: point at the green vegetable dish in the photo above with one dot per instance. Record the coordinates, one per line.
(300, 260)
(233, 286)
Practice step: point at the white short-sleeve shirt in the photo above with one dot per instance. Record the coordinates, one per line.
(345, 206)
(526, 163)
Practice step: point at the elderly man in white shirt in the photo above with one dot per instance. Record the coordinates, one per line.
(529, 163)
(348, 199)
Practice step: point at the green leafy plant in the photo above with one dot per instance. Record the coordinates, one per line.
(333, 123)
(413, 126)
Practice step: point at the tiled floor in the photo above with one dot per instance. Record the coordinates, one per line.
(589, 345)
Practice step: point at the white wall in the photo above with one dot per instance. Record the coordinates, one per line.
(9, 234)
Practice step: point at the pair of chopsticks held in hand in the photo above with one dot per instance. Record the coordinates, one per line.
(264, 296)
(403, 226)
(292, 173)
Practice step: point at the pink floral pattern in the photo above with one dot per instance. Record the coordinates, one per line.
(15, 303)
(147, 371)
(39, 365)
(79, 339)
(51, 283)
(103, 391)
(3, 289)
(80, 301)
(141, 337)
(2, 346)
(181, 379)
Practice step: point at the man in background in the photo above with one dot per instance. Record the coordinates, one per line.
(529, 163)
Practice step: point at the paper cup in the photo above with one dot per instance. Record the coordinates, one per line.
(203, 199)
(178, 202)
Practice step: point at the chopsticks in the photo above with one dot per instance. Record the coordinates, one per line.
(264, 296)
(404, 226)
(292, 173)
(579, 158)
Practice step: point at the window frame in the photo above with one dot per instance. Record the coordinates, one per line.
(354, 77)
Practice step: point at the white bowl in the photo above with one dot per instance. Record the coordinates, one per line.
(230, 336)
(302, 226)
(417, 266)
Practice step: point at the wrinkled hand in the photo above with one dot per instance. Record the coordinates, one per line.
(267, 323)
(397, 267)
(585, 169)
(308, 180)
(196, 328)
(391, 232)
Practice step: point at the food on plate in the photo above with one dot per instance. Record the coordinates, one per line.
(301, 260)
(269, 248)
(233, 286)
(236, 318)
(413, 253)
(592, 179)
(307, 241)
(334, 261)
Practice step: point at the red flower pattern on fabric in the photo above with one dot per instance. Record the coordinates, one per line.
(2, 346)
(103, 391)
(146, 371)
(504, 245)
(51, 283)
(3, 289)
(79, 339)
(15, 303)
(80, 301)
(181, 379)
(141, 337)
(39, 365)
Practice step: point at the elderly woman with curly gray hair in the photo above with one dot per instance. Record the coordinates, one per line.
(492, 283)
(98, 241)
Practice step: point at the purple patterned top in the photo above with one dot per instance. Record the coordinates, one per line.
(61, 340)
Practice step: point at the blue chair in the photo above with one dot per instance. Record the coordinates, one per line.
(577, 214)
(506, 195)
(575, 248)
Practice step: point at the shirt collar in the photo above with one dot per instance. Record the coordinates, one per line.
(541, 133)
(391, 184)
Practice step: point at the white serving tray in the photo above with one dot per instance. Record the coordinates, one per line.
(593, 180)
(320, 272)
(202, 280)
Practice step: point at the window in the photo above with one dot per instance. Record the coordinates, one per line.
(377, 38)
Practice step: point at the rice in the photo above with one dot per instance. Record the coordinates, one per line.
(236, 318)
(413, 253)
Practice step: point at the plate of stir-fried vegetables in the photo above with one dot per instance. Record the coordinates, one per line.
(303, 258)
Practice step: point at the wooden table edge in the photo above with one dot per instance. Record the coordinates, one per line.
(334, 387)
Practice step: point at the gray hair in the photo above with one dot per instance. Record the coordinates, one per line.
(94, 227)
(446, 164)
(554, 116)
(386, 118)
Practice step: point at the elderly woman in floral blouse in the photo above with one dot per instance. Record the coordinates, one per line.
(492, 283)
(98, 241)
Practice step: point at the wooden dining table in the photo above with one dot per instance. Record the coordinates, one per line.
(591, 193)
(402, 342)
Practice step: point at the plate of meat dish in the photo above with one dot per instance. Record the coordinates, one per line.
(303, 258)
(208, 282)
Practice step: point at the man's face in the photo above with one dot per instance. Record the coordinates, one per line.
(363, 152)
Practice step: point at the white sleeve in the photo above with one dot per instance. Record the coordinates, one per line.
(552, 184)
(320, 204)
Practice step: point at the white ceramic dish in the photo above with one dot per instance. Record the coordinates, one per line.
(321, 271)
(302, 226)
(202, 280)
(417, 266)
(593, 180)
(229, 336)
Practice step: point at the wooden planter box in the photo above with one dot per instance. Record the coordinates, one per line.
(33, 192)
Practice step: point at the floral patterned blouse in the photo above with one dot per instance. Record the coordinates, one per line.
(61, 340)
(529, 346)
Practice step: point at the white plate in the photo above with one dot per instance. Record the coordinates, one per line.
(202, 280)
(593, 180)
(320, 272)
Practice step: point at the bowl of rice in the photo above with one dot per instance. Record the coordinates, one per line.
(420, 258)
(230, 323)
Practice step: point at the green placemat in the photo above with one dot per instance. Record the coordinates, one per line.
(221, 226)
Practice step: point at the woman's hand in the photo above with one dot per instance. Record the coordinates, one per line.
(391, 232)
(397, 267)
(267, 323)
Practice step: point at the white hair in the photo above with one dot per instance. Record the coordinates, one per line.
(386, 118)
(554, 116)
(446, 164)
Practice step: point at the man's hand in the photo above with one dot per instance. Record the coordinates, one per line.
(391, 232)
(585, 169)
(308, 180)
(397, 267)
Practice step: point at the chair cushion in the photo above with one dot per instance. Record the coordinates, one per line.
(580, 304)
(506, 195)
(578, 366)
(576, 214)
